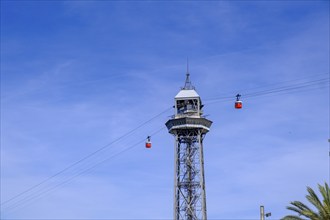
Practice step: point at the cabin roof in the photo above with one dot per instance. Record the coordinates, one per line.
(187, 93)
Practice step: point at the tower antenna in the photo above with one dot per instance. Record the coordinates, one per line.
(187, 84)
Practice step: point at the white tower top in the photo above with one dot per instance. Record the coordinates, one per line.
(187, 101)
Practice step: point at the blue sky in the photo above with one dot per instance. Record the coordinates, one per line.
(78, 75)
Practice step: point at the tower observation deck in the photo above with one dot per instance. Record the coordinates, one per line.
(189, 127)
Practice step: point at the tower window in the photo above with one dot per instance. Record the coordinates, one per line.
(190, 105)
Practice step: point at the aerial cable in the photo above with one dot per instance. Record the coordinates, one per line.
(305, 89)
(222, 99)
(291, 87)
(229, 95)
(285, 89)
(29, 199)
(84, 158)
(293, 80)
(282, 89)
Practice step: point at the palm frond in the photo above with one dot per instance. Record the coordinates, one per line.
(322, 206)
(292, 217)
(314, 199)
(302, 209)
(325, 192)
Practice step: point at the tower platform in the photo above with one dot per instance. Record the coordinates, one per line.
(174, 125)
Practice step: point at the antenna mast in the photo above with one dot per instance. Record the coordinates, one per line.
(187, 84)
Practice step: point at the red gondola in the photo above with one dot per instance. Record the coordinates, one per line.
(238, 103)
(148, 142)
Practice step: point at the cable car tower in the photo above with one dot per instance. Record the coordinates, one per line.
(189, 127)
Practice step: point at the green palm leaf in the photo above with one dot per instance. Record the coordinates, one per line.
(292, 217)
(322, 207)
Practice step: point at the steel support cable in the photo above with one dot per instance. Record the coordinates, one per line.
(291, 87)
(83, 159)
(289, 92)
(26, 201)
(293, 80)
(275, 93)
(230, 97)
(125, 135)
(281, 89)
(285, 91)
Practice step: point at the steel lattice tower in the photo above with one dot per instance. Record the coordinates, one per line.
(189, 129)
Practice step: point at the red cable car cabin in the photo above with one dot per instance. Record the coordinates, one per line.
(238, 103)
(148, 142)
